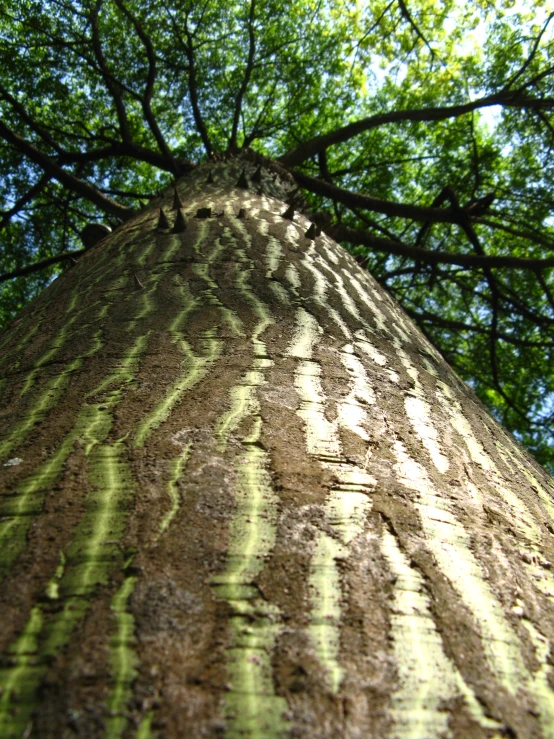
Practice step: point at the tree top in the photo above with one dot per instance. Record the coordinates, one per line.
(418, 133)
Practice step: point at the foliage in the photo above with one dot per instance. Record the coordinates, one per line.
(445, 106)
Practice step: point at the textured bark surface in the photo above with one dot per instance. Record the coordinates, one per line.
(249, 499)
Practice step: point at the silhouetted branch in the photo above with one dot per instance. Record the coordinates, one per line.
(368, 202)
(529, 235)
(65, 178)
(422, 316)
(246, 79)
(149, 89)
(41, 265)
(354, 236)
(22, 202)
(531, 56)
(507, 98)
(23, 113)
(407, 15)
(118, 149)
(107, 76)
(193, 92)
(255, 131)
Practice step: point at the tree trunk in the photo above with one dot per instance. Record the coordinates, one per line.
(244, 496)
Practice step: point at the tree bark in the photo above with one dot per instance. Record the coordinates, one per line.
(244, 496)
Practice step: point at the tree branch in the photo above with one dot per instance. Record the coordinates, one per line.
(407, 15)
(312, 146)
(434, 320)
(149, 89)
(246, 79)
(41, 265)
(65, 178)
(529, 235)
(24, 115)
(249, 138)
(193, 92)
(354, 236)
(531, 56)
(368, 202)
(123, 149)
(109, 79)
(24, 199)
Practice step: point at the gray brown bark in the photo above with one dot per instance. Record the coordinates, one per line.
(243, 496)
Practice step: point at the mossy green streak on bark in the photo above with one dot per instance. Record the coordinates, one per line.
(450, 542)
(91, 557)
(18, 680)
(144, 730)
(242, 396)
(53, 587)
(541, 682)
(26, 503)
(258, 307)
(26, 336)
(177, 469)
(123, 658)
(347, 505)
(96, 539)
(109, 390)
(195, 369)
(202, 270)
(47, 400)
(189, 304)
(59, 340)
(427, 678)
(27, 333)
(50, 395)
(92, 426)
(94, 551)
(78, 295)
(252, 529)
(252, 708)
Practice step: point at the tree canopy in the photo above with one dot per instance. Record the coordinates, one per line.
(420, 135)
